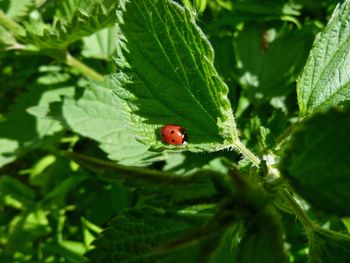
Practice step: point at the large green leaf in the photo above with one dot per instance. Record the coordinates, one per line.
(136, 234)
(325, 81)
(167, 76)
(316, 161)
(95, 114)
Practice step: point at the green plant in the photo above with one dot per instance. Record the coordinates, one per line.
(87, 86)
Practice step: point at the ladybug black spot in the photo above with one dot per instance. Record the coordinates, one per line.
(172, 132)
(172, 140)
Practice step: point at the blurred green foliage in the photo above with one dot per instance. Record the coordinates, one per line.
(77, 183)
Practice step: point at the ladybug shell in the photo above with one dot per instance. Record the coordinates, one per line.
(174, 134)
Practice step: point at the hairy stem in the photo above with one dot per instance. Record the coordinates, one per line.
(247, 153)
(298, 211)
(83, 68)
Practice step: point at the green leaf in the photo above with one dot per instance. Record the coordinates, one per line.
(17, 9)
(57, 197)
(16, 190)
(6, 39)
(258, 49)
(263, 241)
(136, 234)
(167, 77)
(25, 229)
(71, 251)
(63, 33)
(96, 115)
(22, 132)
(100, 45)
(270, 7)
(226, 250)
(8, 150)
(316, 161)
(158, 186)
(329, 247)
(65, 9)
(325, 81)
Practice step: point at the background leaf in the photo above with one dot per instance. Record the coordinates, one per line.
(22, 132)
(328, 247)
(262, 72)
(156, 187)
(135, 235)
(263, 241)
(168, 77)
(101, 44)
(94, 113)
(16, 9)
(316, 161)
(63, 33)
(325, 81)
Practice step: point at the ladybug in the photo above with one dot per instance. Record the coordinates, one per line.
(174, 134)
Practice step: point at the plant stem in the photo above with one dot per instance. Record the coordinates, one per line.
(298, 211)
(83, 68)
(283, 137)
(247, 153)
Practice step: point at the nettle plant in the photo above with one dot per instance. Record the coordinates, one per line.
(264, 175)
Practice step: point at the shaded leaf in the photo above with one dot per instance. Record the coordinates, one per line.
(316, 161)
(259, 50)
(263, 240)
(15, 189)
(158, 187)
(136, 234)
(329, 247)
(26, 228)
(226, 251)
(22, 132)
(69, 250)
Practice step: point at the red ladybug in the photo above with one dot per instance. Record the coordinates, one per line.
(174, 134)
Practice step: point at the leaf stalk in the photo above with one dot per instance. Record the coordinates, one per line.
(247, 153)
(83, 68)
